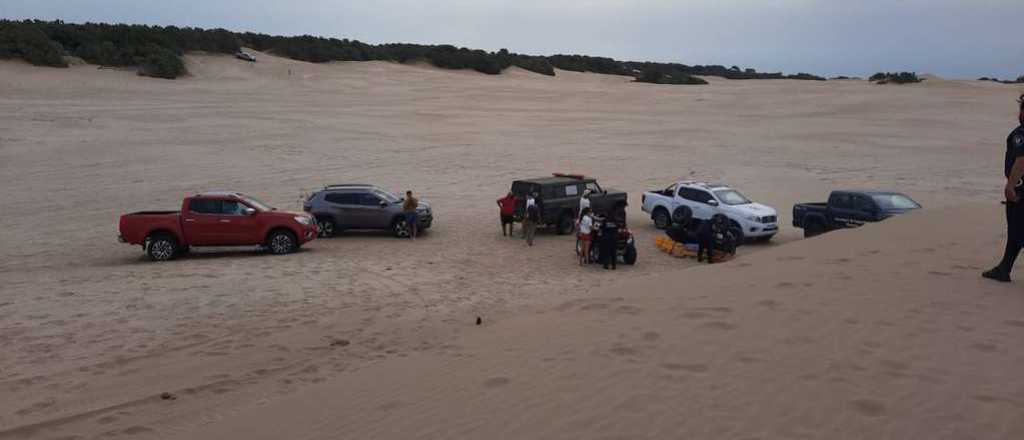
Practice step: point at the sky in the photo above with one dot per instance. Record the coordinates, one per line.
(953, 39)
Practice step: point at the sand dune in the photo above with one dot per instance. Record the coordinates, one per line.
(884, 332)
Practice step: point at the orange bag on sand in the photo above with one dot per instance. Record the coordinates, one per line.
(680, 250)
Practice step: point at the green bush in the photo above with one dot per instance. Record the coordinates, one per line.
(28, 42)
(161, 63)
(895, 78)
(157, 51)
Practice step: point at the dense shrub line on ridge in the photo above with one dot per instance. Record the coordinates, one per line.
(157, 50)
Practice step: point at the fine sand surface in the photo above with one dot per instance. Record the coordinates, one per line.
(885, 332)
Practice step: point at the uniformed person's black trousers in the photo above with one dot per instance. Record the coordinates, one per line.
(1014, 235)
(705, 246)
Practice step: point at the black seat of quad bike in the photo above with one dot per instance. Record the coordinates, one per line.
(682, 215)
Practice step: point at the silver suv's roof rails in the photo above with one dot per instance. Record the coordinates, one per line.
(348, 185)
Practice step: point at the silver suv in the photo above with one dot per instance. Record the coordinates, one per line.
(358, 206)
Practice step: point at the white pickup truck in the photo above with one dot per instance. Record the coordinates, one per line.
(756, 221)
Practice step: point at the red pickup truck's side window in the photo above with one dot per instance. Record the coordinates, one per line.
(204, 206)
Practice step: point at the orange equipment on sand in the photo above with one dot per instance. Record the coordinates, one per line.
(680, 250)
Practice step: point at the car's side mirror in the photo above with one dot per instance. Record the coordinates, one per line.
(250, 211)
(383, 203)
(713, 202)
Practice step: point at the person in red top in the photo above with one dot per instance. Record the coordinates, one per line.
(508, 210)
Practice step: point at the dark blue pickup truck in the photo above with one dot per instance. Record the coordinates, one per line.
(850, 209)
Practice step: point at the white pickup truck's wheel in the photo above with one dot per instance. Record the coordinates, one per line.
(162, 247)
(661, 218)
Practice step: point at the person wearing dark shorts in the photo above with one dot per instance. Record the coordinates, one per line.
(1013, 169)
(507, 210)
(412, 220)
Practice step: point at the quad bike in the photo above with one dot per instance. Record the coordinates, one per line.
(625, 246)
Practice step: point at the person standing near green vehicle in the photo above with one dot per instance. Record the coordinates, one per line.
(530, 219)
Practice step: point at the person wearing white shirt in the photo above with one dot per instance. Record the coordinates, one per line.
(584, 203)
(585, 235)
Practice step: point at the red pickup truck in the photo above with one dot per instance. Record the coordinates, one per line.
(216, 219)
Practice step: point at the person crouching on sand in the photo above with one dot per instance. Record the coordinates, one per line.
(585, 235)
(507, 210)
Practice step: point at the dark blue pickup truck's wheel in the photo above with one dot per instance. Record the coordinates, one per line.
(282, 242)
(813, 228)
(162, 247)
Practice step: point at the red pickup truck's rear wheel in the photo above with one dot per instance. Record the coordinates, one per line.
(282, 242)
(162, 247)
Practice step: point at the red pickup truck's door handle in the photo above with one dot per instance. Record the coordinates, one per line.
(225, 221)
(190, 220)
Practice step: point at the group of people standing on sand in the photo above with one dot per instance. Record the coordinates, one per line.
(531, 216)
(591, 229)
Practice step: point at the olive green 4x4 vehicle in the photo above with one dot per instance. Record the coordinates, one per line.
(558, 198)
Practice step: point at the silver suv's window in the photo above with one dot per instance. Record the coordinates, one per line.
(367, 199)
(340, 198)
(391, 198)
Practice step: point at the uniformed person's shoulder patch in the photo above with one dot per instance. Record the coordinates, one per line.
(1018, 140)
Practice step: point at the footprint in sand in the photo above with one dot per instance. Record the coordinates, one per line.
(1014, 323)
(985, 347)
(769, 303)
(695, 315)
(692, 368)
(628, 310)
(719, 325)
(868, 407)
(651, 336)
(498, 381)
(624, 351)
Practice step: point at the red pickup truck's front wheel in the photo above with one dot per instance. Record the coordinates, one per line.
(161, 247)
(282, 242)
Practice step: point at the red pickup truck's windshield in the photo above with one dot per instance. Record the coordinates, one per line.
(257, 204)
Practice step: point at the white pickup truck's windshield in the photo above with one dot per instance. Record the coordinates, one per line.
(731, 197)
(257, 204)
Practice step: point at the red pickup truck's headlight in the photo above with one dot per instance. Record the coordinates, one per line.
(303, 220)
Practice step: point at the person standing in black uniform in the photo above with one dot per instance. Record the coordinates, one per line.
(1013, 169)
(609, 243)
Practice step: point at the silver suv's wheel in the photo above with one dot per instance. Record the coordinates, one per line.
(162, 247)
(325, 227)
(400, 227)
(282, 242)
